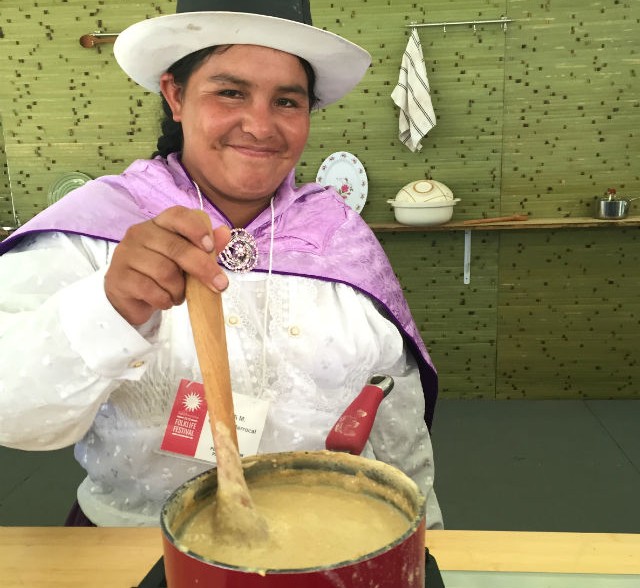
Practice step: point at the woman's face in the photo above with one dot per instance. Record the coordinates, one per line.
(245, 119)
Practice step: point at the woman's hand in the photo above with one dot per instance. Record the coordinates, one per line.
(147, 272)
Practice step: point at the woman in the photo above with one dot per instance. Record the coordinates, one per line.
(94, 285)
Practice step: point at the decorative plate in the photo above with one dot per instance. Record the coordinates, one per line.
(344, 172)
(65, 183)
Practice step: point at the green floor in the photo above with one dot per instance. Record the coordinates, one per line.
(550, 465)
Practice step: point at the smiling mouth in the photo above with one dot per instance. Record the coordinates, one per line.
(253, 151)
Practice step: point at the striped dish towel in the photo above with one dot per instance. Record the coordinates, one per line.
(413, 96)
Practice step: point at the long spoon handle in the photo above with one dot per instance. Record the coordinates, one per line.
(207, 323)
(235, 515)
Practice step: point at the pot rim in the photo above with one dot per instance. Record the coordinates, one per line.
(377, 472)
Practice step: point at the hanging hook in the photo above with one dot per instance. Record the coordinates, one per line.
(474, 27)
(504, 24)
(444, 29)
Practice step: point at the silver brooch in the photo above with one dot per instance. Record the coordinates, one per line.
(241, 253)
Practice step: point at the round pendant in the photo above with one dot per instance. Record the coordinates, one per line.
(241, 253)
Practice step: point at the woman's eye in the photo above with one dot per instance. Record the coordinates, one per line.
(229, 93)
(287, 102)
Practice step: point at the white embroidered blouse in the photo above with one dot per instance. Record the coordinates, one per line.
(73, 371)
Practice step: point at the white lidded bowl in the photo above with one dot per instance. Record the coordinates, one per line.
(423, 213)
(424, 191)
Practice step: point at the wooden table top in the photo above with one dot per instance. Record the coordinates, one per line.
(120, 558)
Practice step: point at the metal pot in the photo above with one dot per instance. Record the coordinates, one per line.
(398, 565)
(609, 209)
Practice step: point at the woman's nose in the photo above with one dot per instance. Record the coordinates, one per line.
(258, 120)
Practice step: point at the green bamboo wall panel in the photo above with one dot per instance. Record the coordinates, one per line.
(569, 314)
(6, 208)
(538, 118)
(458, 322)
(466, 73)
(572, 105)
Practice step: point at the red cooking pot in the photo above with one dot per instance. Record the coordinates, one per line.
(400, 564)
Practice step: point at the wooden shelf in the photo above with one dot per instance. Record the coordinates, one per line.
(532, 223)
(523, 225)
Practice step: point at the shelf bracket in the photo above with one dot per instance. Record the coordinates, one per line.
(467, 257)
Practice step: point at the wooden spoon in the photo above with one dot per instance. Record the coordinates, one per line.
(497, 219)
(235, 515)
(91, 40)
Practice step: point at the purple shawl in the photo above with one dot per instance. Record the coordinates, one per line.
(315, 235)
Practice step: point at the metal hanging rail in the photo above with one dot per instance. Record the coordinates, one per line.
(503, 21)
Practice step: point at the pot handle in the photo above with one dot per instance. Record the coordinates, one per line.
(352, 429)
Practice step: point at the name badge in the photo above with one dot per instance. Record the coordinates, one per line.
(188, 431)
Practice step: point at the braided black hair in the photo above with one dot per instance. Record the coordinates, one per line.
(172, 139)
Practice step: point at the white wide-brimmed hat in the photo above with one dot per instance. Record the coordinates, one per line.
(148, 48)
